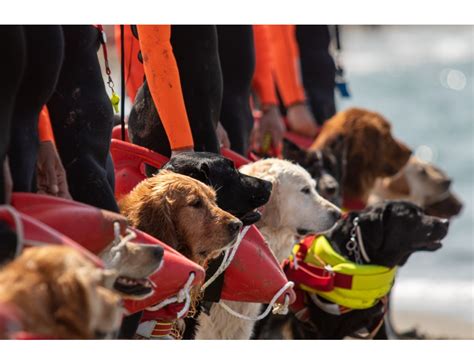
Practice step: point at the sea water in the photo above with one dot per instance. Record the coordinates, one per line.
(421, 79)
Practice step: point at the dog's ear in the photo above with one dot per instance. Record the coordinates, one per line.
(199, 171)
(155, 217)
(271, 214)
(71, 310)
(293, 152)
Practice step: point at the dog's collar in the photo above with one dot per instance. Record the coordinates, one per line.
(355, 246)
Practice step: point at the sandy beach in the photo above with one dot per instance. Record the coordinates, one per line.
(433, 326)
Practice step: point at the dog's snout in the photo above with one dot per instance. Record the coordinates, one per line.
(158, 253)
(335, 214)
(234, 226)
(444, 223)
(446, 184)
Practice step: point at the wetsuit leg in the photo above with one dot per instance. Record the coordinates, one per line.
(45, 47)
(318, 69)
(82, 119)
(196, 53)
(237, 57)
(12, 67)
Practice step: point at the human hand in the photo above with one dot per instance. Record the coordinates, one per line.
(301, 121)
(271, 123)
(51, 176)
(222, 136)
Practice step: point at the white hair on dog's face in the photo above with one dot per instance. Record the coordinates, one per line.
(294, 206)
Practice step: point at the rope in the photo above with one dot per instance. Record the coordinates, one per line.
(277, 308)
(120, 241)
(228, 257)
(122, 80)
(20, 239)
(183, 295)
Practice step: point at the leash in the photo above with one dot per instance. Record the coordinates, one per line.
(122, 80)
(114, 99)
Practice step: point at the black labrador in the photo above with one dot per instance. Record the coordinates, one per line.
(391, 231)
(237, 194)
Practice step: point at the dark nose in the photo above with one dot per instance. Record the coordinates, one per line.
(234, 226)
(444, 223)
(336, 215)
(158, 253)
(446, 184)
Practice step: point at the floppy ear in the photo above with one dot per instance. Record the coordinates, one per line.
(271, 214)
(155, 217)
(70, 302)
(293, 152)
(199, 172)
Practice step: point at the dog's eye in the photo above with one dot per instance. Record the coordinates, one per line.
(197, 203)
(306, 190)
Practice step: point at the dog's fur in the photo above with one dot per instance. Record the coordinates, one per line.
(391, 231)
(294, 207)
(419, 182)
(182, 212)
(134, 263)
(323, 166)
(370, 151)
(59, 293)
(236, 192)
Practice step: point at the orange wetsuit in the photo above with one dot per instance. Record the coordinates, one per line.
(45, 130)
(285, 61)
(164, 82)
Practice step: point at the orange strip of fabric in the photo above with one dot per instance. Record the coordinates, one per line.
(45, 130)
(165, 86)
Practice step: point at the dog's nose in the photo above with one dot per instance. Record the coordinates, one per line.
(234, 226)
(335, 214)
(158, 253)
(446, 184)
(444, 223)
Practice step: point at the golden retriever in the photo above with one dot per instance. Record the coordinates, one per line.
(182, 212)
(367, 149)
(419, 182)
(59, 293)
(294, 209)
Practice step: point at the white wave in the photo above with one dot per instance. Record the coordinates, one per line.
(454, 298)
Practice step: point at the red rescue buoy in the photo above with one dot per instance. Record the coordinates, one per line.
(254, 274)
(36, 233)
(93, 229)
(90, 226)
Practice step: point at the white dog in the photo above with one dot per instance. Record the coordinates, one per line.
(294, 209)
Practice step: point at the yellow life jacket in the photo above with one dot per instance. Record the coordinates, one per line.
(352, 285)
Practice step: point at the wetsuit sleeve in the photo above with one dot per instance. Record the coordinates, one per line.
(45, 131)
(133, 67)
(163, 80)
(263, 81)
(285, 61)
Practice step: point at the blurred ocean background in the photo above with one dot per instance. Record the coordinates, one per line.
(421, 79)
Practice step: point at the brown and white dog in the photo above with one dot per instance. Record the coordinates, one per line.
(421, 183)
(58, 293)
(294, 209)
(369, 150)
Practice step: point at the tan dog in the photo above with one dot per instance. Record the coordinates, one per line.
(419, 182)
(294, 209)
(369, 150)
(181, 212)
(58, 293)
